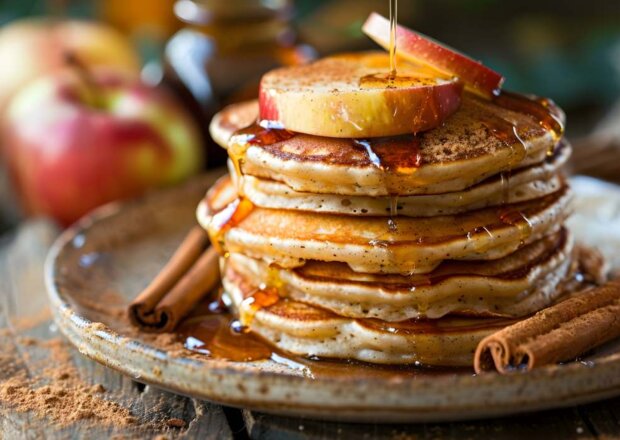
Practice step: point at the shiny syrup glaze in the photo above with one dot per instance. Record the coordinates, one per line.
(513, 217)
(261, 298)
(389, 80)
(233, 214)
(548, 116)
(213, 332)
(239, 209)
(229, 217)
(259, 133)
(509, 134)
(398, 154)
(267, 294)
(435, 326)
(542, 110)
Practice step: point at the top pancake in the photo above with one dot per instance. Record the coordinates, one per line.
(475, 143)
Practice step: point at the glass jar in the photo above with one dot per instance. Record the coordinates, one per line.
(223, 49)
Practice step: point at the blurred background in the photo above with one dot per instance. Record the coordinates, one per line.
(172, 64)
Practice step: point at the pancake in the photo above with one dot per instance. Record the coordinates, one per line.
(311, 331)
(404, 245)
(517, 285)
(522, 185)
(232, 118)
(476, 142)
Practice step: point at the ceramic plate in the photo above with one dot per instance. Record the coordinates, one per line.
(101, 263)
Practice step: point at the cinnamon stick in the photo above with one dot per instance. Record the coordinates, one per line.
(191, 273)
(558, 333)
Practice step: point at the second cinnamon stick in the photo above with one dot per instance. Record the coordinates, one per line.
(191, 271)
(558, 333)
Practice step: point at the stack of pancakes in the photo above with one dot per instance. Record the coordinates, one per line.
(398, 250)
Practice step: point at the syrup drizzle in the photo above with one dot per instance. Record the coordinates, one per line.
(479, 236)
(393, 157)
(504, 178)
(399, 154)
(548, 115)
(229, 217)
(393, 213)
(393, 23)
(260, 298)
(506, 132)
(372, 156)
(258, 133)
(514, 217)
(267, 294)
(391, 80)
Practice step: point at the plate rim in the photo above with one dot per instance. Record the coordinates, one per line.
(92, 339)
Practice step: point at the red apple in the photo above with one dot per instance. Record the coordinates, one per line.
(352, 96)
(35, 47)
(421, 49)
(77, 141)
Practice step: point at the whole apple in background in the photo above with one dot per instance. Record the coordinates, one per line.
(75, 141)
(34, 47)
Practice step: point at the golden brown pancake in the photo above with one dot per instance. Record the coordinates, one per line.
(516, 285)
(311, 331)
(521, 185)
(473, 144)
(404, 245)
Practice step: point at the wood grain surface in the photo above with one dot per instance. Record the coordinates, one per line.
(24, 317)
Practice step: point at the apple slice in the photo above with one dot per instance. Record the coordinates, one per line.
(420, 49)
(351, 96)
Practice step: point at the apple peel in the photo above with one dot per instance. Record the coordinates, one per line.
(418, 48)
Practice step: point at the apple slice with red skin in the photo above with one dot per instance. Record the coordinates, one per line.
(418, 48)
(350, 96)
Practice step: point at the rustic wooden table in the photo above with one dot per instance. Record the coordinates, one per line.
(27, 333)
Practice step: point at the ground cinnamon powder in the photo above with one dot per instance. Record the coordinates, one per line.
(56, 393)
